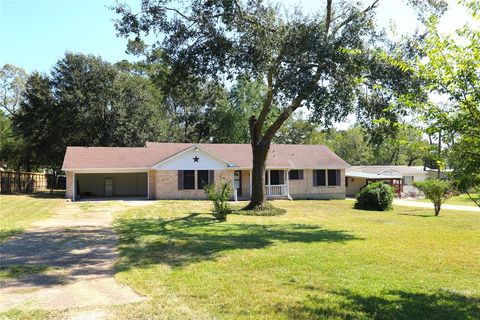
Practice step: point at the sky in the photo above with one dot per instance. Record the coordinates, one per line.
(34, 34)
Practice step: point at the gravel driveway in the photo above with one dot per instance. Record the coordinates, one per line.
(76, 251)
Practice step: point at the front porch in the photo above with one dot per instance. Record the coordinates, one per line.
(276, 187)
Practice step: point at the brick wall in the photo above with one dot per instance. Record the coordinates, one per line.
(302, 189)
(166, 185)
(69, 181)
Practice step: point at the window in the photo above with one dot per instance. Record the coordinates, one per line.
(333, 177)
(188, 179)
(408, 180)
(202, 178)
(319, 178)
(295, 175)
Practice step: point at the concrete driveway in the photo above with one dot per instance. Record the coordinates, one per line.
(75, 252)
(415, 203)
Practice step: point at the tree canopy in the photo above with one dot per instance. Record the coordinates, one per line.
(328, 62)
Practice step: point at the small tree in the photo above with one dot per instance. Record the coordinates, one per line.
(435, 190)
(375, 196)
(220, 196)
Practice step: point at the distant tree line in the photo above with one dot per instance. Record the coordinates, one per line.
(86, 101)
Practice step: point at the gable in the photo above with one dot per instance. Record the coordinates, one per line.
(186, 161)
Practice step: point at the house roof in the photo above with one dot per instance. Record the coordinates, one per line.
(280, 156)
(387, 169)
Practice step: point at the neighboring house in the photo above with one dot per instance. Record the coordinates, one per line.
(181, 170)
(401, 177)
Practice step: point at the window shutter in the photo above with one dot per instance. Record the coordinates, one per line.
(337, 173)
(300, 174)
(281, 177)
(180, 180)
(315, 182)
(211, 177)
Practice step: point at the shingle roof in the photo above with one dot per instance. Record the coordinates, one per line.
(281, 156)
(387, 169)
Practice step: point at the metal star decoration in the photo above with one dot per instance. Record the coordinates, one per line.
(196, 159)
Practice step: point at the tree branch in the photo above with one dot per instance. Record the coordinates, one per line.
(356, 15)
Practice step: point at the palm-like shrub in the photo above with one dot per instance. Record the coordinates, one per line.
(435, 190)
(220, 195)
(375, 196)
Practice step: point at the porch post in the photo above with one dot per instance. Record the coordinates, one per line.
(287, 179)
(235, 196)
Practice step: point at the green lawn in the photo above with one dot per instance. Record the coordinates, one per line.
(462, 199)
(18, 212)
(322, 260)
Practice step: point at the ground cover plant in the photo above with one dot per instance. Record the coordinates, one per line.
(321, 260)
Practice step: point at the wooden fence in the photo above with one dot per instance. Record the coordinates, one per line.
(29, 182)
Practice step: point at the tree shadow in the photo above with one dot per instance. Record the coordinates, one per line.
(198, 237)
(394, 304)
(70, 253)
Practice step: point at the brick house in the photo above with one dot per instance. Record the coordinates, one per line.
(181, 170)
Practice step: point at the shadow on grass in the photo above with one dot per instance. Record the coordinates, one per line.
(83, 252)
(395, 304)
(5, 234)
(198, 237)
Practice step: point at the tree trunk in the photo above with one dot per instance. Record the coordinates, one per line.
(260, 153)
(437, 209)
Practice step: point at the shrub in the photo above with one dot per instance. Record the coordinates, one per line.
(220, 196)
(435, 190)
(375, 196)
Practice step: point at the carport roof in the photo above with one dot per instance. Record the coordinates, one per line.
(280, 156)
(371, 176)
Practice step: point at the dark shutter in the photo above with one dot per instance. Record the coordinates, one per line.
(211, 178)
(315, 182)
(338, 177)
(300, 174)
(281, 177)
(180, 180)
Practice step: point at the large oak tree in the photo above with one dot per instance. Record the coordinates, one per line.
(324, 61)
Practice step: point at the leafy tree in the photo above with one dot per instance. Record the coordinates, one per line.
(452, 71)
(12, 85)
(85, 101)
(316, 61)
(405, 146)
(352, 146)
(435, 190)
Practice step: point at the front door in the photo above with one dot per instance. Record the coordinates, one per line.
(237, 181)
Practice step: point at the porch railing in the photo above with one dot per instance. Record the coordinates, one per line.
(278, 190)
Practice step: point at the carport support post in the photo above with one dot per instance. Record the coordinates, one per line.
(73, 187)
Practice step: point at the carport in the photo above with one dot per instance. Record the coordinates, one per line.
(110, 185)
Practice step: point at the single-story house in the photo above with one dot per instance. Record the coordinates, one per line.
(181, 171)
(400, 177)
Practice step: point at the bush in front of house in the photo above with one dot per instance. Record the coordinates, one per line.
(375, 196)
(219, 195)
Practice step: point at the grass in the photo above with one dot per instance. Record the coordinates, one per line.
(462, 199)
(321, 260)
(18, 212)
(20, 271)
